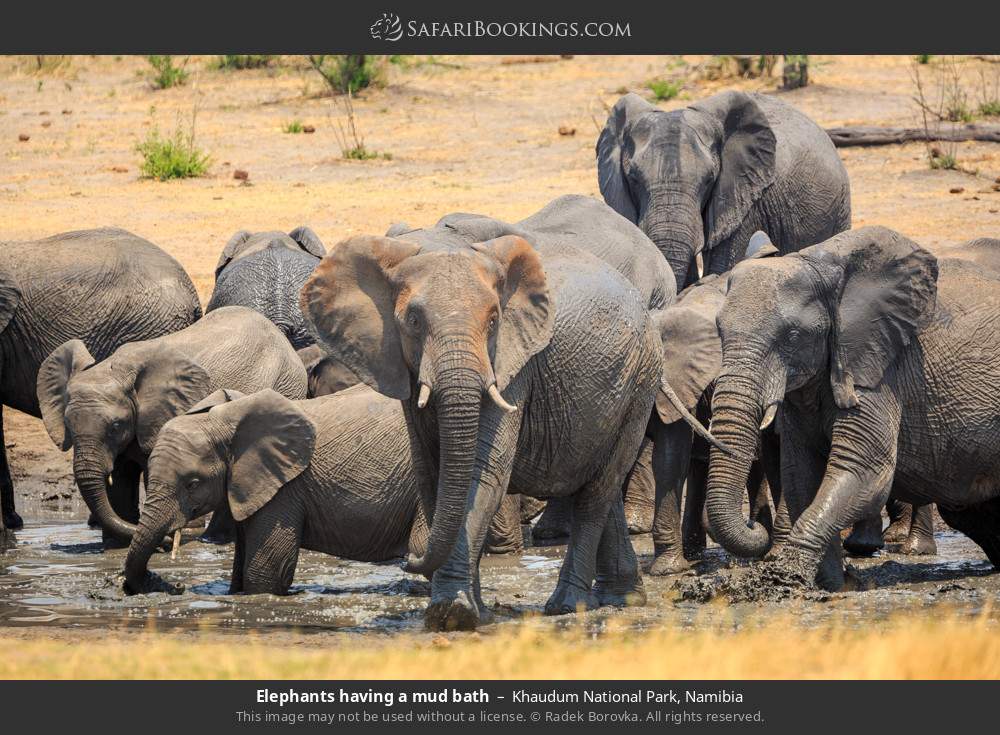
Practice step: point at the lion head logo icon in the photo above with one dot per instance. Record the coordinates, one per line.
(387, 28)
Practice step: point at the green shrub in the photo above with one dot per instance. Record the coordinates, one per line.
(990, 108)
(175, 157)
(349, 73)
(663, 90)
(295, 126)
(924, 58)
(166, 74)
(943, 161)
(245, 61)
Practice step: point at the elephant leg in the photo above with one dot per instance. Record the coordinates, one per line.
(671, 459)
(272, 539)
(123, 496)
(618, 582)
(758, 491)
(239, 560)
(770, 462)
(900, 520)
(693, 522)
(504, 534)
(11, 520)
(981, 523)
(866, 536)
(221, 528)
(920, 540)
(640, 492)
(556, 521)
(531, 508)
(416, 544)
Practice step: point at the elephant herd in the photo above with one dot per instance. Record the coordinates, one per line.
(714, 332)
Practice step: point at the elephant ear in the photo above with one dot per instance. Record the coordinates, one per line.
(476, 228)
(349, 302)
(231, 250)
(398, 228)
(164, 382)
(219, 397)
(52, 385)
(692, 348)
(272, 444)
(308, 241)
(10, 297)
(527, 312)
(887, 293)
(746, 161)
(610, 147)
(760, 246)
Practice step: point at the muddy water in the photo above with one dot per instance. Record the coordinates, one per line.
(58, 575)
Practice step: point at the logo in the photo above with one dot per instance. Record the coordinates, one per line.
(387, 28)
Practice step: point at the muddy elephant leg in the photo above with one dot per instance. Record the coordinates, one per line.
(981, 523)
(239, 560)
(900, 520)
(693, 522)
(920, 540)
(272, 539)
(640, 491)
(11, 520)
(221, 528)
(504, 534)
(758, 491)
(124, 497)
(618, 581)
(866, 536)
(555, 524)
(671, 459)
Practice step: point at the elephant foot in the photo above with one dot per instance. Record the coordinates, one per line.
(111, 542)
(864, 541)
(668, 562)
(567, 600)
(897, 531)
(13, 521)
(456, 613)
(217, 536)
(919, 545)
(93, 521)
(7, 540)
(150, 583)
(635, 596)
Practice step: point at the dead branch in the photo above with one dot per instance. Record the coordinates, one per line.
(867, 135)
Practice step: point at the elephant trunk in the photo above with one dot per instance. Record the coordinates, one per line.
(736, 417)
(673, 222)
(458, 396)
(91, 467)
(160, 514)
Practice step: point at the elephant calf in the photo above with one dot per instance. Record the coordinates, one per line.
(331, 474)
(111, 412)
(264, 271)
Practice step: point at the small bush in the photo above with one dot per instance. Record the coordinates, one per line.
(166, 74)
(176, 157)
(663, 90)
(990, 108)
(943, 161)
(359, 153)
(350, 73)
(245, 61)
(924, 58)
(294, 127)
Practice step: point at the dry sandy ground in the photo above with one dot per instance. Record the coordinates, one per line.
(476, 134)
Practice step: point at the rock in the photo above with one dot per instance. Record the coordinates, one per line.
(956, 189)
(46, 123)
(120, 169)
(24, 137)
(566, 130)
(241, 175)
(308, 128)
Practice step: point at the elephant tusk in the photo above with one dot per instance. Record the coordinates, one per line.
(494, 393)
(769, 415)
(177, 545)
(694, 423)
(425, 394)
(111, 480)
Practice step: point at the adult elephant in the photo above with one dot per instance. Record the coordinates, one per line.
(523, 364)
(702, 179)
(111, 411)
(884, 372)
(264, 271)
(104, 287)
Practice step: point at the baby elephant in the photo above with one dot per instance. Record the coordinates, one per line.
(111, 412)
(331, 474)
(265, 272)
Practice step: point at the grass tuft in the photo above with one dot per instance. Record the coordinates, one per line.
(176, 157)
(166, 75)
(663, 90)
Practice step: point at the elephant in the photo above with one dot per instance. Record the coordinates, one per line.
(110, 411)
(331, 474)
(264, 271)
(702, 179)
(482, 331)
(104, 287)
(883, 364)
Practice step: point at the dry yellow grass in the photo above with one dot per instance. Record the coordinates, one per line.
(949, 648)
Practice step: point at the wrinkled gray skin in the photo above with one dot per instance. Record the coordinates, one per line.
(264, 271)
(328, 376)
(441, 308)
(104, 287)
(885, 372)
(331, 474)
(705, 177)
(110, 411)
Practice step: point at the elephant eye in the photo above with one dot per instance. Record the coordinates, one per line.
(492, 325)
(793, 335)
(193, 483)
(412, 320)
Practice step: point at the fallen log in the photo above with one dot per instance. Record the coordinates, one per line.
(866, 135)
